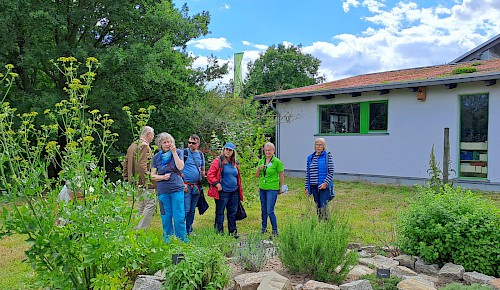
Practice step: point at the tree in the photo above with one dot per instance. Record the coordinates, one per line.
(140, 45)
(281, 67)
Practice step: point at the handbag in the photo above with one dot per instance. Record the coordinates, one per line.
(202, 204)
(240, 212)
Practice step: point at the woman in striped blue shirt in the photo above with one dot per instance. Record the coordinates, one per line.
(319, 177)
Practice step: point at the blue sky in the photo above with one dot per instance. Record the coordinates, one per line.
(350, 37)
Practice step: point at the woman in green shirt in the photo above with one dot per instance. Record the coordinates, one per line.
(270, 172)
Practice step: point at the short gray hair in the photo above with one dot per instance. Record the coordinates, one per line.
(270, 144)
(322, 141)
(146, 130)
(162, 136)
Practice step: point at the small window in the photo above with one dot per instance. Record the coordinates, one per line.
(360, 118)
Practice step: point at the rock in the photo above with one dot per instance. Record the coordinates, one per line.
(358, 271)
(161, 274)
(422, 266)
(379, 262)
(354, 246)
(274, 281)
(370, 249)
(495, 283)
(147, 282)
(315, 285)
(406, 260)
(249, 281)
(415, 283)
(475, 277)
(452, 271)
(402, 271)
(357, 285)
(364, 254)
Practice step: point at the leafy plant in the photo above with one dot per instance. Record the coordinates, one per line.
(452, 225)
(317, 248)
(201, 268)
(382, 283)
(87, 242)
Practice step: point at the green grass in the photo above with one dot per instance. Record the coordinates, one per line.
(372, 211)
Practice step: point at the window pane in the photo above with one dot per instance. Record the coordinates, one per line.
(474, 118)
(378, 116)
(340, 118)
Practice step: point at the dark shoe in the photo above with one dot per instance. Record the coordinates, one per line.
(275, 233)
(263, 231)
(235, 235)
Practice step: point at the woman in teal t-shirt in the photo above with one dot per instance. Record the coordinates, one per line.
(271, 174)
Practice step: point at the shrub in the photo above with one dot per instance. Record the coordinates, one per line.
(382, 283)
(252, 252)
(317, 248)
(201, 268)
(452, 225)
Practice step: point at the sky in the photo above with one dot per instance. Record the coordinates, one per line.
(350, 37)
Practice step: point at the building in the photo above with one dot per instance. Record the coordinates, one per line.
(381, 127)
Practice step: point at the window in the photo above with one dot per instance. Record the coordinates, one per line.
(358, 118)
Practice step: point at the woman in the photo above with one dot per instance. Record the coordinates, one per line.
(166, 170)
(225, 187)
(271, 174)
(319, 177)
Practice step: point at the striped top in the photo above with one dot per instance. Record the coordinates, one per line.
(313, 171)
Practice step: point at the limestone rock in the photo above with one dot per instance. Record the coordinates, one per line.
(406, 260)
(274, 281)
(147, 282)
(249, 281)
(358, 271)
(315, 285)
(402, 271)
(495, 283)
(379, 262)
(452, 271)
(422, 266)
(357, 285)
(415, 283)
(475, 277)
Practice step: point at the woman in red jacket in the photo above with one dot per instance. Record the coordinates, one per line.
(225, 187)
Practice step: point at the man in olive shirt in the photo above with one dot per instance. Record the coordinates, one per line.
(136, 170)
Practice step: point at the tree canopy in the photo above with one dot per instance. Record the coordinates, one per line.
(140, 46)
(281, 67)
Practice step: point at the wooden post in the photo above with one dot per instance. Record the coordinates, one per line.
(446, 155)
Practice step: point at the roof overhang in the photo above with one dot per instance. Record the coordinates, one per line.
(466, 78)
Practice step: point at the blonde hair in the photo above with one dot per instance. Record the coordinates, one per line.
(162, 136)
(269, 144)
(322, 141)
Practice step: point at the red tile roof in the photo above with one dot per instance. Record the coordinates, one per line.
(406, 76)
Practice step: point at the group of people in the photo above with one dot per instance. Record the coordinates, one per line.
(174, 177)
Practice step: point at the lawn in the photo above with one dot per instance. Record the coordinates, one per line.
(372, 211)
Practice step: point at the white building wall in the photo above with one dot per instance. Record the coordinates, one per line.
(413, 127)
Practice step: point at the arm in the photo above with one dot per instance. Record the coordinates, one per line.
(330, 169)
(212, 175)
(259, 168)
(157, 177)
(142, 163)
(282, 179)
(306, 183)
(179, 163)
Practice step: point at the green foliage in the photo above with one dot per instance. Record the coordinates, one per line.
(309, 246)
(202, 268)
(209, 238)
(463, 70)
(281, 67)
(382, 283)
(458, 286)
(252, 253)
(452, 225)
(87, 242)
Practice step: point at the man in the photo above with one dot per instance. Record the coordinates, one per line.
(136, 170)
(194, 171)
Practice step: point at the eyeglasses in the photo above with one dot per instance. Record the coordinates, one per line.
(192, 143)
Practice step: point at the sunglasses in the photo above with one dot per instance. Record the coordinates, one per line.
(192, 143)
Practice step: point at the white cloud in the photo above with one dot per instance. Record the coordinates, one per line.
(258, 46)
(406, 35)
(348, 3)
(226, 6)
(213, 44)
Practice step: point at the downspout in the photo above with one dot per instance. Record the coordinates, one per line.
(277, 145)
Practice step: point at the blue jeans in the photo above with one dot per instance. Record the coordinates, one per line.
(267, 202)
(229, 201)
(190, 200)
(172, 207)
(320, 197)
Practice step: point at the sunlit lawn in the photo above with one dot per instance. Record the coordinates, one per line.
(371, 210)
